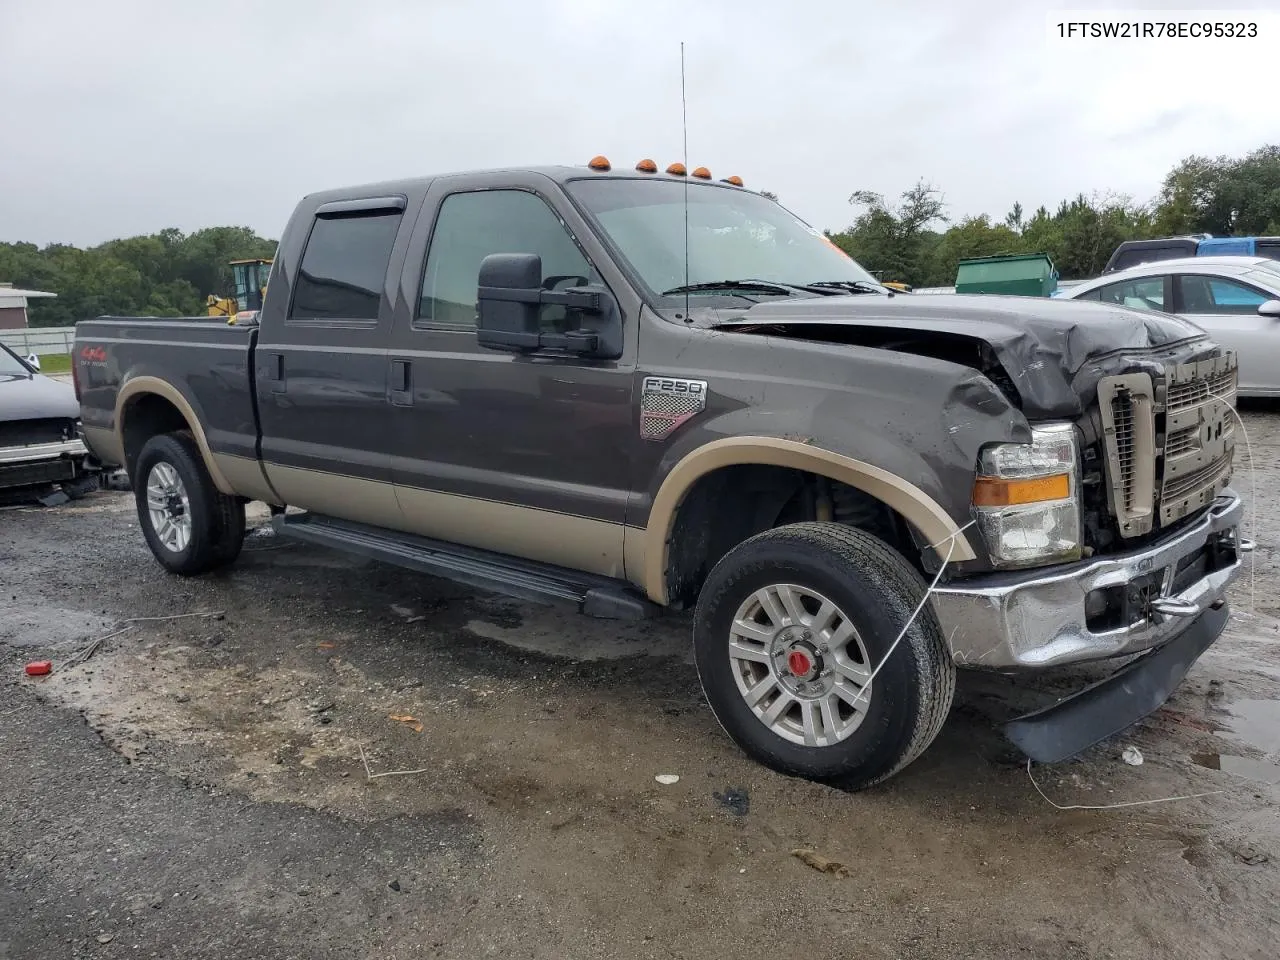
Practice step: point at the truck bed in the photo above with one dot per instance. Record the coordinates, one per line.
(208, 362)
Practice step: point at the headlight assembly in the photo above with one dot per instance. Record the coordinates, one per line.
(1025, 498)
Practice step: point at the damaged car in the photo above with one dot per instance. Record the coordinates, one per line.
(43, 456)
(630, 392)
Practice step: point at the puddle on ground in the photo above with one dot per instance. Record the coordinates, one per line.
(1257, 723)
(1240, 766)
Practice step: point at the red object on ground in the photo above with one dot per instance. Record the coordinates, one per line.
(38, 668)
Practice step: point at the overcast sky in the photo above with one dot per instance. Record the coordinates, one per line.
(122, 117)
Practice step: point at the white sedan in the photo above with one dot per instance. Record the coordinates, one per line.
(1236, 300)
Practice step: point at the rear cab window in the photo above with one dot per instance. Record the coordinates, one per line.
(344, 267)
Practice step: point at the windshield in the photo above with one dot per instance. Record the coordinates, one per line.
(10, 365)
(733, 234)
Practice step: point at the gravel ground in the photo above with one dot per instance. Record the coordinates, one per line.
(197, 788)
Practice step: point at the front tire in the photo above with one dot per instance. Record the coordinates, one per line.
(790, 625)
(190, 525)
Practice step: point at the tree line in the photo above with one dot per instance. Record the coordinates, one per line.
(167, 274)
(910, 240)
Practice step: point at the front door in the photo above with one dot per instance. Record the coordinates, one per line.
(1228, 311)
(523, 454)
(321, 373)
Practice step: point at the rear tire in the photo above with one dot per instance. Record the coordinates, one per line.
(788, 628)
(190, 525)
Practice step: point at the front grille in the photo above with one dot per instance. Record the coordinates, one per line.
(1128, 427)
(1207, 476)
(17, 433)
(1122, 414)
(1190, 393)
(1182, 442)
(1169, 443)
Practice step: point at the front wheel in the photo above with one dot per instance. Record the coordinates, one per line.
(190, 525)
(789, 627)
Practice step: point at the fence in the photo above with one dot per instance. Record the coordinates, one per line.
(41, 341)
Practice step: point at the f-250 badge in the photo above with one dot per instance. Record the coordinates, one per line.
(667, 402)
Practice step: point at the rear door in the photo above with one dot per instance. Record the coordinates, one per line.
(321, 369)
(523, 454)
(1227, 309)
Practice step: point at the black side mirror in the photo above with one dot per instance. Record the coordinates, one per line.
(509, 302)
(1270, 309)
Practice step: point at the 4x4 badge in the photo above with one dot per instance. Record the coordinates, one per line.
(667, 402)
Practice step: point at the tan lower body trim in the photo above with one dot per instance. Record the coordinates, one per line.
(579, 543)
(104, 444)
(633, 547)
(245, 477)
(924, 513)
(336, 495)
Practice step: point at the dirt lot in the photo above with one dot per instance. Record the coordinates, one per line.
(196, 789)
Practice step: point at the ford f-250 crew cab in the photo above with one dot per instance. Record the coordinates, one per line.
(635, 390)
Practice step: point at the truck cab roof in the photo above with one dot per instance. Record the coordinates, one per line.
(559, 174)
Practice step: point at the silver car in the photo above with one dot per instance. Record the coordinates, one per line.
(1235, 299)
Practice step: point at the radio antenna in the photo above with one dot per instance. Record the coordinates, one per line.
(684, 126)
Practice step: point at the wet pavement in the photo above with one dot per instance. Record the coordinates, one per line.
(201, 787)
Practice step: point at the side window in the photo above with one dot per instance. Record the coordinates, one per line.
(1091, 295)
(470, 227)
(1144, 294)
(344, 267)
(1217, 295)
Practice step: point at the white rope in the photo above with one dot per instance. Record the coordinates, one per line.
(1253, 501)
(1113, 806)
(950, 541)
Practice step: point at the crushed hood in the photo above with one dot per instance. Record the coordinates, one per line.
(1041, 344)
(37, 397)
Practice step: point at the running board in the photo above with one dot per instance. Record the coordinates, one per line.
(595, 596)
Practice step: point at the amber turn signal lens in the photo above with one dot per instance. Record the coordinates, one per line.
(702, 173)
(599, 163)
(996, 492)
(647, 166)
(676, 170)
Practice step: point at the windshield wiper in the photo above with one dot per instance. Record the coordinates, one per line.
(850, 286)
(750, 286)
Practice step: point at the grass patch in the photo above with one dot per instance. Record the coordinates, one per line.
(55, 363)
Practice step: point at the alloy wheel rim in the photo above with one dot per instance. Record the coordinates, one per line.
(169, 507)
(800, 665)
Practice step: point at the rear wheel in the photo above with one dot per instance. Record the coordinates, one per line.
(190, 525)
(790, 626)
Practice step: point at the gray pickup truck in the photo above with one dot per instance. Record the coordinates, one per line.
(635, 390)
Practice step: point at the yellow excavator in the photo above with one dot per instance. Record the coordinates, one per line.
(250, 279)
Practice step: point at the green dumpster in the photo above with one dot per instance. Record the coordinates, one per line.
(1024, 275)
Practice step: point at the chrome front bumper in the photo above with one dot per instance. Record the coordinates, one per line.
(1037, 618)
(32, 452)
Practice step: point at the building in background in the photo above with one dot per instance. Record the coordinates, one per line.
(13, 305)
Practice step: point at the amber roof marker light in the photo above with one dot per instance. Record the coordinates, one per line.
(735, 180)
(647, 166)
(702, 173)
(599, 163)
(677, 170)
